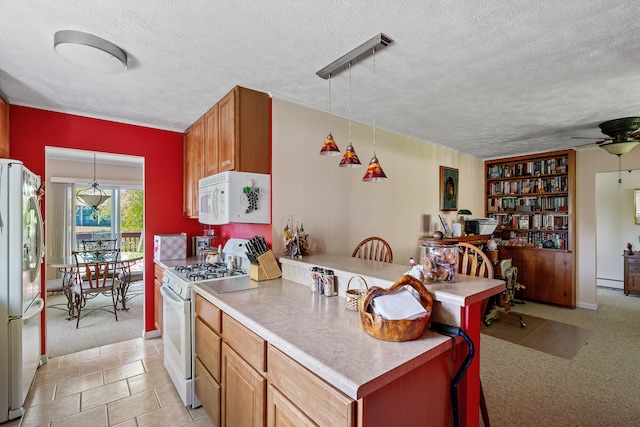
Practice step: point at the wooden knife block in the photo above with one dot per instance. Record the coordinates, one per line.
(268, 268)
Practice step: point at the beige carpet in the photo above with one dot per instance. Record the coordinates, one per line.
(597, 387)
(555, 338)
(96, 329)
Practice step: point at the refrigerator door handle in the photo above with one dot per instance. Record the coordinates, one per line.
(35, 309)
(33, 204)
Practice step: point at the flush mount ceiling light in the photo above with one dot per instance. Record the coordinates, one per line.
(92, 196)
(90, 52)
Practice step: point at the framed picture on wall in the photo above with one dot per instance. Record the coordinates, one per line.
(448, 189)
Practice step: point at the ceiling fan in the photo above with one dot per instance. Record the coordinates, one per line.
(624, 134)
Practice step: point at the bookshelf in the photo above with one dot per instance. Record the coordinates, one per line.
(533, 197)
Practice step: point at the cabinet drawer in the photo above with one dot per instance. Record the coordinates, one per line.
(208, 392)
(247, 344)
(209, 313)
(282, 413)
(208, 346)
(633, 268)
(318, 400)
(158, 272)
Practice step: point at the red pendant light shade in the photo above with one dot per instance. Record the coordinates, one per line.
(350, 158)
(329, 148)
(374, 172)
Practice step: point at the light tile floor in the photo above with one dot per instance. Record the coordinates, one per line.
(123, 384)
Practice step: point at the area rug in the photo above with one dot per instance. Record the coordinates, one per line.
(555, 338)
(96, 329)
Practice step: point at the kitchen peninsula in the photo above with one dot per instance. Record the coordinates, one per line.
(305, 357)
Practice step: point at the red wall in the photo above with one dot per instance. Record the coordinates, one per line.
(32, 130)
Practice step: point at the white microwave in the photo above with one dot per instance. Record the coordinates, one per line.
(235, 197)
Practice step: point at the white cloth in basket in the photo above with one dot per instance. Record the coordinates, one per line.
(401, 305)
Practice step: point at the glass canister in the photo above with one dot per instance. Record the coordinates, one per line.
(314, 279)
(439, 259)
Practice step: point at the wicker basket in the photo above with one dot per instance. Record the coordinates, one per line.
(352, 296)
(395, 330)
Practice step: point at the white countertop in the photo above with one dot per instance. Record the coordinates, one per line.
(465, 291)
(322, 335)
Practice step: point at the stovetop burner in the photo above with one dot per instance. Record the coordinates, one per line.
(204, 271)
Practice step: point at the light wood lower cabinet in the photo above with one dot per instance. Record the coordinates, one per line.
(282, 413)
(242, 381)
(208, 355)
(244, 391)
(315, 400)
(208, 391)
(157, 298)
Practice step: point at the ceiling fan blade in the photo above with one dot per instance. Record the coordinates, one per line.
(635, 134)
(595, 143)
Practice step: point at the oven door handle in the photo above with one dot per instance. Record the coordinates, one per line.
(172, 298)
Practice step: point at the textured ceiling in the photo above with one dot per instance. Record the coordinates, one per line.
(488, 78)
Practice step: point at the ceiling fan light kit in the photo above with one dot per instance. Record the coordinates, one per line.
(624, 135)
(619, 148)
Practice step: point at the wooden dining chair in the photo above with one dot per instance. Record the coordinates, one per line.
(375, 249)
(473, 262)
(96, 273)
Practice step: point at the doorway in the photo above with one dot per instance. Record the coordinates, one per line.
(68, 222)
(615, 224)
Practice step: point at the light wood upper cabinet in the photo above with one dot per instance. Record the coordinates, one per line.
(234, 135)
(210, 143)
(4, 128)
(193, 167)
(227, 132)
(244, 131)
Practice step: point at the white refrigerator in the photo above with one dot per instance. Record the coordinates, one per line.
(21, 304)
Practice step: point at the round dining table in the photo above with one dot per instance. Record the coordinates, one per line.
(67, 267)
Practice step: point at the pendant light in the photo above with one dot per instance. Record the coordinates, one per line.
(374, 171)
(329, 148)
(92, 196)
(350, 158)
